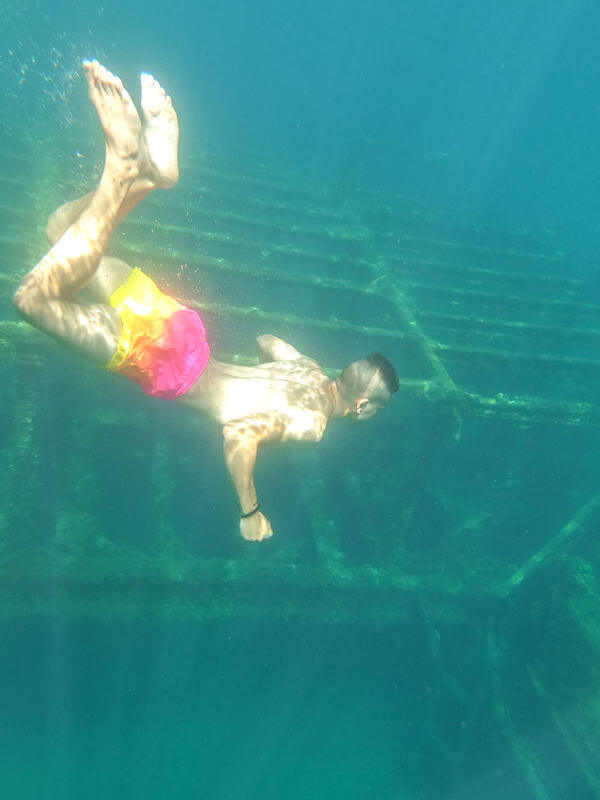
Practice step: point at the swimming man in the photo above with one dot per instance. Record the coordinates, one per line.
(130, 326)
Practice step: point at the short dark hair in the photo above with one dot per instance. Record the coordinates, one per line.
(386, 370)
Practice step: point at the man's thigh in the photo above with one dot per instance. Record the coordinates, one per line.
(111, 273)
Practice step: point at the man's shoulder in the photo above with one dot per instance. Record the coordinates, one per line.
(304, 371)
(289, 367)
(305, 424)
(309, 363)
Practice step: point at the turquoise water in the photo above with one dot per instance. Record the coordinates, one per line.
(490, 109)
(422, 626)
(226, 710)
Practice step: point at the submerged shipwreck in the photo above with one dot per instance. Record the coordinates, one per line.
(464, 517)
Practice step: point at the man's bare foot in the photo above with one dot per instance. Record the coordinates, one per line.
(160, 136)
(118, 116)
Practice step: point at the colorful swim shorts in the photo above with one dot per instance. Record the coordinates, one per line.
(162, 344)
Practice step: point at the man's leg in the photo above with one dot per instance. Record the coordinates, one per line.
(158, 169)
(45, 297)
(110, 273)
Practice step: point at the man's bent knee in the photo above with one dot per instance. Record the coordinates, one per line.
(23, 302)
(29, 300)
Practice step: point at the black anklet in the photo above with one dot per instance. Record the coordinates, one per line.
(250, 513)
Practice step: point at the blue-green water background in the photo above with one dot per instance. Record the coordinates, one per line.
(505, 95)
(490, 110)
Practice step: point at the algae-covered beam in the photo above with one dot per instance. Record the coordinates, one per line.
(475, 322)
(576, 527)
(531, 765)
(528, 411)
(541, 360)
(111, 582)
(578, 730)
(417, 262)
(478, 296)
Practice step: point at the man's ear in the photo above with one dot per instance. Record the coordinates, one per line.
(361, 404)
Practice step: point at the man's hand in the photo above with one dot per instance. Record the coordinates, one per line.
(256, 528)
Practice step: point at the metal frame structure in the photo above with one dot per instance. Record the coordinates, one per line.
(488, 331)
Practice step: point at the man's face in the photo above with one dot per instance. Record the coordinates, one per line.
(366, 408)
(376, 396)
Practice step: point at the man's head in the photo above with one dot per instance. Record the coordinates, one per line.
(365, 386)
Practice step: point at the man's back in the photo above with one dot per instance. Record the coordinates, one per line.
(296, 393)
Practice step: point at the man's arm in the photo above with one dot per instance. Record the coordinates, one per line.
(241, 439)
(270, 348)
